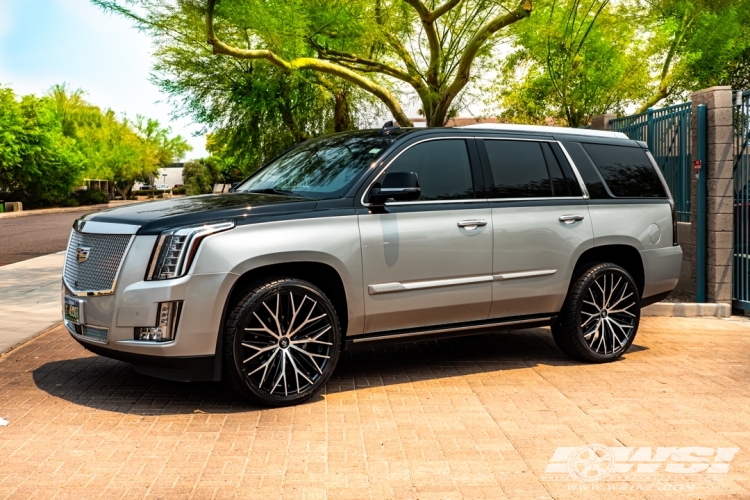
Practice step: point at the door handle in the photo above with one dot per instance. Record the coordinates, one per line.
(472, 224)
(570, 219)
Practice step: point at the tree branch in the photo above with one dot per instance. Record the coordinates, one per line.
(522, 10)
(337, 56)
(433, 40)
(442, 9)
(304, 63)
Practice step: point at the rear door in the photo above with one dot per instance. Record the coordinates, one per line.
(429, 262)
(541, 224)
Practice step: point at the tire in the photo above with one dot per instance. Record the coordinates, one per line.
(600, 316)
(281, 342)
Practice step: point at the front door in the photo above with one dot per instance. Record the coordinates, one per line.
(429, 262)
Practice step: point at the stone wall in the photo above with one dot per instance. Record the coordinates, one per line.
(720, 195)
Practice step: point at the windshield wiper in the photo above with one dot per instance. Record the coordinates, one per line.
(282, 192)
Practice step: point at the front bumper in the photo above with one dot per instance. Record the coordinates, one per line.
(111, 320)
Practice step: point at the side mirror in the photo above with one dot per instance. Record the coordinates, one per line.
(234, 185)
(397, 186)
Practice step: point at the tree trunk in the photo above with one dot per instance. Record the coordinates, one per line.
(342, 116)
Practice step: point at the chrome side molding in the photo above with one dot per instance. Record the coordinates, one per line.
(524, 274)
(421, 285)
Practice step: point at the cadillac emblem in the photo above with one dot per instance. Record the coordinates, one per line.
(82, 253)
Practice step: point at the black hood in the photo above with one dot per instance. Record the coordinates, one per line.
(157, 216)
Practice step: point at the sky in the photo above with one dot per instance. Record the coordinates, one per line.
(44, 42)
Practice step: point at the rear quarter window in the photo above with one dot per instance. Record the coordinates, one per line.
(627, 171)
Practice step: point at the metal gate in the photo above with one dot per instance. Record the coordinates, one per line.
(667, 133)
(741, 278)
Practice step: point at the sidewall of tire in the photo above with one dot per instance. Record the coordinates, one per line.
(568, 326)
(233, 343)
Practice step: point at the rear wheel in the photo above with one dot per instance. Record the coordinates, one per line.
(281, 342)
(600, 317)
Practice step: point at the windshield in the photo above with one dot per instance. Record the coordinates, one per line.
(321, 168)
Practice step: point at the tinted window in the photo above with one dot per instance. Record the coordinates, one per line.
(320, 168)
(518, 169)
(559, 184)
(589, 173)
(574, 188)
(628, 172)
(442, 166)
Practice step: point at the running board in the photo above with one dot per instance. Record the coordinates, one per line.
(455, 330)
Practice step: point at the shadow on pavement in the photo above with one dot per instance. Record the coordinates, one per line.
(109, 385)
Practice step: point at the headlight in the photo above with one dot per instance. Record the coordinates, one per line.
(175, 250)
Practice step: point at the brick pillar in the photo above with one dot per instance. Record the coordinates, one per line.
(720, 196)
(601, 122)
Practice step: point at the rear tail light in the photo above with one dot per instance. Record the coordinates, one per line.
(674, 224)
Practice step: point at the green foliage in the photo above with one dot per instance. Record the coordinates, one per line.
(92, 197)
(381, 47)
(48, 145)
(199, 176)
(696, 44)
(571, 61)
(38, 163)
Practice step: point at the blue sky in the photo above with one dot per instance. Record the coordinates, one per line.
(43, 42)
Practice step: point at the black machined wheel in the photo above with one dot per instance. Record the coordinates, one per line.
(282, 342)
(600, 317)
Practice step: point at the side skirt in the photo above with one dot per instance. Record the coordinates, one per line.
(447, 331)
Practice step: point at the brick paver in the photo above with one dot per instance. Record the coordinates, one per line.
(477, 417)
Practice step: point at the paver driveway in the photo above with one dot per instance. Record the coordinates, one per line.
(478, 417)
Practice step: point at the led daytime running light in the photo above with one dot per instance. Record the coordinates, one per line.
(176, 249)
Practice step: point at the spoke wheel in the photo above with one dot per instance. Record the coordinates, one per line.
(601, 314)
(285, 341)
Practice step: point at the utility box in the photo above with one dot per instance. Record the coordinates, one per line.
(13, 206)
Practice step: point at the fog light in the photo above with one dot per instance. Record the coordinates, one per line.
(166, 324)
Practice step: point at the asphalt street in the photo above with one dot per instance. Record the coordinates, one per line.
(23, 238)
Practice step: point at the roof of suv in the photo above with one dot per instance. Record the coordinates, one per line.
(549, 130)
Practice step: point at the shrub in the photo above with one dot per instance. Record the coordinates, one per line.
(92, 197)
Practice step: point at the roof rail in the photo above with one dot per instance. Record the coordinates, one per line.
(549, 130)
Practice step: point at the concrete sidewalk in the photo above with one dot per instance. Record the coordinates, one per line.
(29, 298)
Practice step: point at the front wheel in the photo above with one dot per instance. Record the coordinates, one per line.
(600, 316)
(281, 342)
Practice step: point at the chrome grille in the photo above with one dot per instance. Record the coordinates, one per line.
(90, 332)
(99, 271)
(94, 333)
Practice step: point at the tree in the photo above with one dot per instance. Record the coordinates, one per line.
(695, 44)
(571, 61)
(375, 45)
(38, 163)
(200, 176)
(50, 144)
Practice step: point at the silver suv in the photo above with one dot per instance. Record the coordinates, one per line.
(390, 235)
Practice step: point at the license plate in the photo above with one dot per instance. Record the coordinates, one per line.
(73, 310)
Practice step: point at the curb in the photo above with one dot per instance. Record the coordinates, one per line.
(12, 348)
(687, 310)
